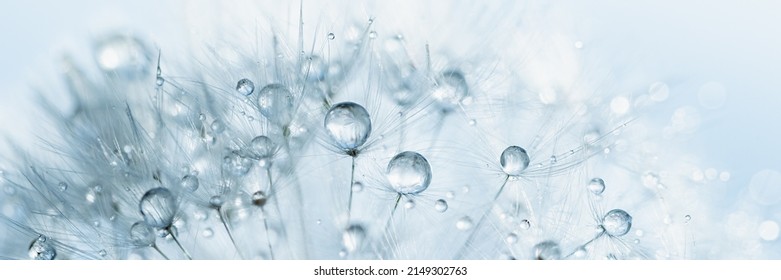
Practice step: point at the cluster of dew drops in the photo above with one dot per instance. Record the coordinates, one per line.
(348, 127)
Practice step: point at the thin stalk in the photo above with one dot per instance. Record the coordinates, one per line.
(480, 221)
(227, 229)
(268, 238)
(585, 244)
(176, 240)
(154, 246)
(352, 182)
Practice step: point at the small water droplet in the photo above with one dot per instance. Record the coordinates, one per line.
(259, 198)
(141, 234)
(409, 204)
(207, 232)
(440, 205)
(217, 126)
(41, 249)
(319, 221)
(373, 34)
(245, 87)
(261, 147)
(353, 237)
(450, 89)
(63, 186)
(472, 122)
(553, 159)
(547, 250)
(511, 238)
(408, 173)
(348, 124)
(216, 201)
(189, 183)
(464, 223)
(686, 219)
(331, 36)
(102, 253)
(617, 222)
(514, 160)
(596, 186)
(236, 164)
(525, 224)
(158, 207)
(357, 187)
(159, 81)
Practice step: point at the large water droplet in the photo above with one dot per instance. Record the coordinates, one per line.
(236, 164)
(409, 173)
(314, 69)
(464, 223)
(547, 250)
(158, 207)
(276, 103)
(514, 160)
(440, 205)
(348, 125)
(596, 186)
(353, 237)
(141, 234)
(126, 56)
(189, 183)
(245, 87)
(617, 222)
(41, 249)
(450, 89)
(262, 147)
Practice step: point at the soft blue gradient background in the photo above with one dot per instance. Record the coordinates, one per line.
(685, 44)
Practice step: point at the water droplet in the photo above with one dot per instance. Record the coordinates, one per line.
(41, 249)
(408, 173)
(141, 234)
(217, 126)
(525, 224)
(553, 159)
(314, 68)
(373, 34)
(245, 87)
(450, 89)
(511, 238)
(236, 164)
(207, 232)
(200, 215)
(331, 36)
(342, 253)
(102, 253)
(547, 250)
(686, 219)
(409, 204)
(159, 81)
(348, 125)
(514, 160)
(472, 122)
(464, 223)
(450, 194)
(353, 238)
(617, 222)
(189, 183)
(216, 201)
(596, 186)
(158, 206)
(768, 230)
(440, 205)
(578, 45)
(650, 179)
(201, 117)
(63, 186)
(126, 56)
(259, 198)
(357, 187)
(261, 147)
(276, 103)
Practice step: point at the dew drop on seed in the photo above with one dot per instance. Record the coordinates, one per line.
(216, 201)
(514, 160)
(245, 87)
(357, 187)
(686, 219)
(464, 223)
(314, 68)
(102, 253)
(472, 122)
(259, 198)
(207, 232)
(126, 56)
(331, 36)
(262, 147)
(408, 173)
(553, 159)
(547, 250)
(236, 164)
(189, 183)
(450, 194)
(440, 205)
(511, 238)
(353, 237)
(617, 222)
(276, 103)
(348, 125)
(450, 89)
(63, 186)
(41, 249)
(596, 186)
(159, 81)
(141, 234)
(409, 204)
(373, 34)
(158, 207)
(217, 126)
(525, 224)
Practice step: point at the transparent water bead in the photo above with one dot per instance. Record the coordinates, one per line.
(190, 183)
(353, 237)
(41, 249)
(261, 147)
(440, 205)
(331, 36)
(514, 160)
(158, 207)
(408, 173)
(141, 234)
(464, 223)
(236, 164)
(259, 198)
(547, 250)
(314, 69)
(124, 55)
(348, 125)
(596, 186)
(451, 88)
(617, 222)
(245, 87)
(276, 103)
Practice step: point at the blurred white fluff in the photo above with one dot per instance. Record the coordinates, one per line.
(455, 82)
